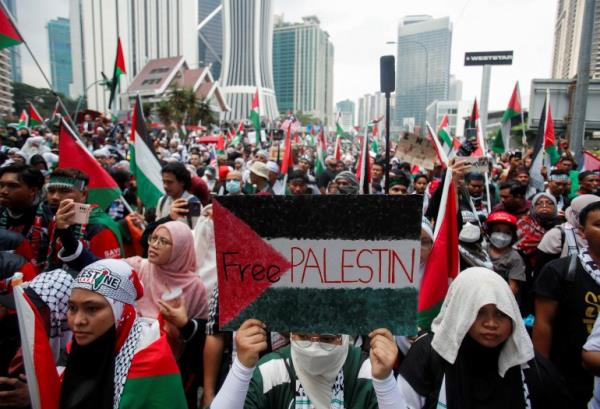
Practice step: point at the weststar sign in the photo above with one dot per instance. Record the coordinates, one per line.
(342, 264)
(489, 58)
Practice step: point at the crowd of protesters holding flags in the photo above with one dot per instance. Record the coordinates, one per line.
(127, 297)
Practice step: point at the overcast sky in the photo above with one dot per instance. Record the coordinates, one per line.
(359, 30)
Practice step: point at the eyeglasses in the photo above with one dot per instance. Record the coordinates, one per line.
(327, 342)
(158, 241)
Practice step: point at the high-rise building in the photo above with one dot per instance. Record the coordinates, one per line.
(456, 87)
(15, 51)
(347, 106)
(247, 52)
(422, 66)
(303, 68)
(456, 111)
(148, 30)
(6, 89)
(210, 37)
(567, 37)
(59, 46)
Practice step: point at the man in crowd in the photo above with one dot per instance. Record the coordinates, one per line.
(176, 181)
(20, 195)
(558, 186)
(566, 294)
(377, 169)
(298, 183)
(512, 199)
(259, 177)
(589, 182)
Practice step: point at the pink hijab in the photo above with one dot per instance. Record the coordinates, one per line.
(180, 272)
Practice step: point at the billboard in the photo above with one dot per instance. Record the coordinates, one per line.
(489, 58)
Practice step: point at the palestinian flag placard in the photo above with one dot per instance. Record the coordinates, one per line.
(301, 263)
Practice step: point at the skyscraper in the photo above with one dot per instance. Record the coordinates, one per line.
(6, 89)
(347, 106)
(567, 37)
(210, 37)
(247, 53)
(422, 66)
(456, 87)
(303, 68)
(59, 46)
(148, 30)
(15, 51)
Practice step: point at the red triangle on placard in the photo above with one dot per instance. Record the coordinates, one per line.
(237, 247)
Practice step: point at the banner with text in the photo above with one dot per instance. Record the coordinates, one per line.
(325, 264)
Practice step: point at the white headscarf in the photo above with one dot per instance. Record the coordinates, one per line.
(471, 290)
(317, 369)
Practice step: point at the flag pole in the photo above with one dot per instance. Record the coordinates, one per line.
(62, 105)
(524, 137)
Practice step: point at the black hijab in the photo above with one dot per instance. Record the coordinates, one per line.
(89, 375)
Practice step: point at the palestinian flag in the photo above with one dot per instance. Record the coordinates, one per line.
(23, 120)
(472, 130)
(144, 163)
(448, 142)
(590, 161)
(35, 118)
(321, 153)
(440, 152)
(443, 261)
(118, 70)
(339, 278)
(255, 116)
(337, 151)
(544, 147)
(339, 131)
(288, 159)
(363, 167)
(102, 189)
(153, 375)
(9, 34)
(511, 117)
(239, 136)
(43, 381)
(221, 144)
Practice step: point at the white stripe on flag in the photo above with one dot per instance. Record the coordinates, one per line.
(147, 163)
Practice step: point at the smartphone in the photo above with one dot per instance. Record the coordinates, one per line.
(471, 134)
(194, 209)
(82, 213)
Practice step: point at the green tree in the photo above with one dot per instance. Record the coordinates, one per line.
(165, 113)
(43, 99)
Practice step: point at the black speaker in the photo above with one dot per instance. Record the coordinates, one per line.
(387, 75)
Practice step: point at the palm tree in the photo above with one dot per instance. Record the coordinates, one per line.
(165, 113)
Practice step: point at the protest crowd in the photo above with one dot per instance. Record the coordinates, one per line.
(108, 272)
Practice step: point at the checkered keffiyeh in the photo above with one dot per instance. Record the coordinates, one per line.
(213, 312)
(123, 361)
(589, 265)
(54, 288)
(337, 394)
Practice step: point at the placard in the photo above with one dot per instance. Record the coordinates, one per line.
(478, 164)
(324, 264)
(416, 151)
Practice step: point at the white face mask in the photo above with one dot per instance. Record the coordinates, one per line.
(500, 240)
(315, 360)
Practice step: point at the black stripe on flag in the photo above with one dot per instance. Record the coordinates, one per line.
(329, 217)
(140, 126)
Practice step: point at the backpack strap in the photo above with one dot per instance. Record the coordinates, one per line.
(572, 268)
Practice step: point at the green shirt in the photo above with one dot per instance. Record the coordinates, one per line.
(271, 387)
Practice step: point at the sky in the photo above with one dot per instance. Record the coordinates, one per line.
(359, 31)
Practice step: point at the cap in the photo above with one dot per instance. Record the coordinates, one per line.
(502, 217)
(272, 167)
(259, 169)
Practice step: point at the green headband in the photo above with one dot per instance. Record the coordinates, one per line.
(66, 182)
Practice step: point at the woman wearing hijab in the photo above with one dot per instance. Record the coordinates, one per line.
(117, 359)
(565, 239)
(532, 227)
(478, 356)
(320, 371)
(169, 269)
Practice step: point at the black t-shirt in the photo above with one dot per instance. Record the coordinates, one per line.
(325, 177)
(578, 304)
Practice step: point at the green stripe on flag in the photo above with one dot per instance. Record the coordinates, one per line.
(425, 317)
(553, 154)
(103, 197)
(153, 392)
(6, 41)
(394, 309)
(148, 193)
